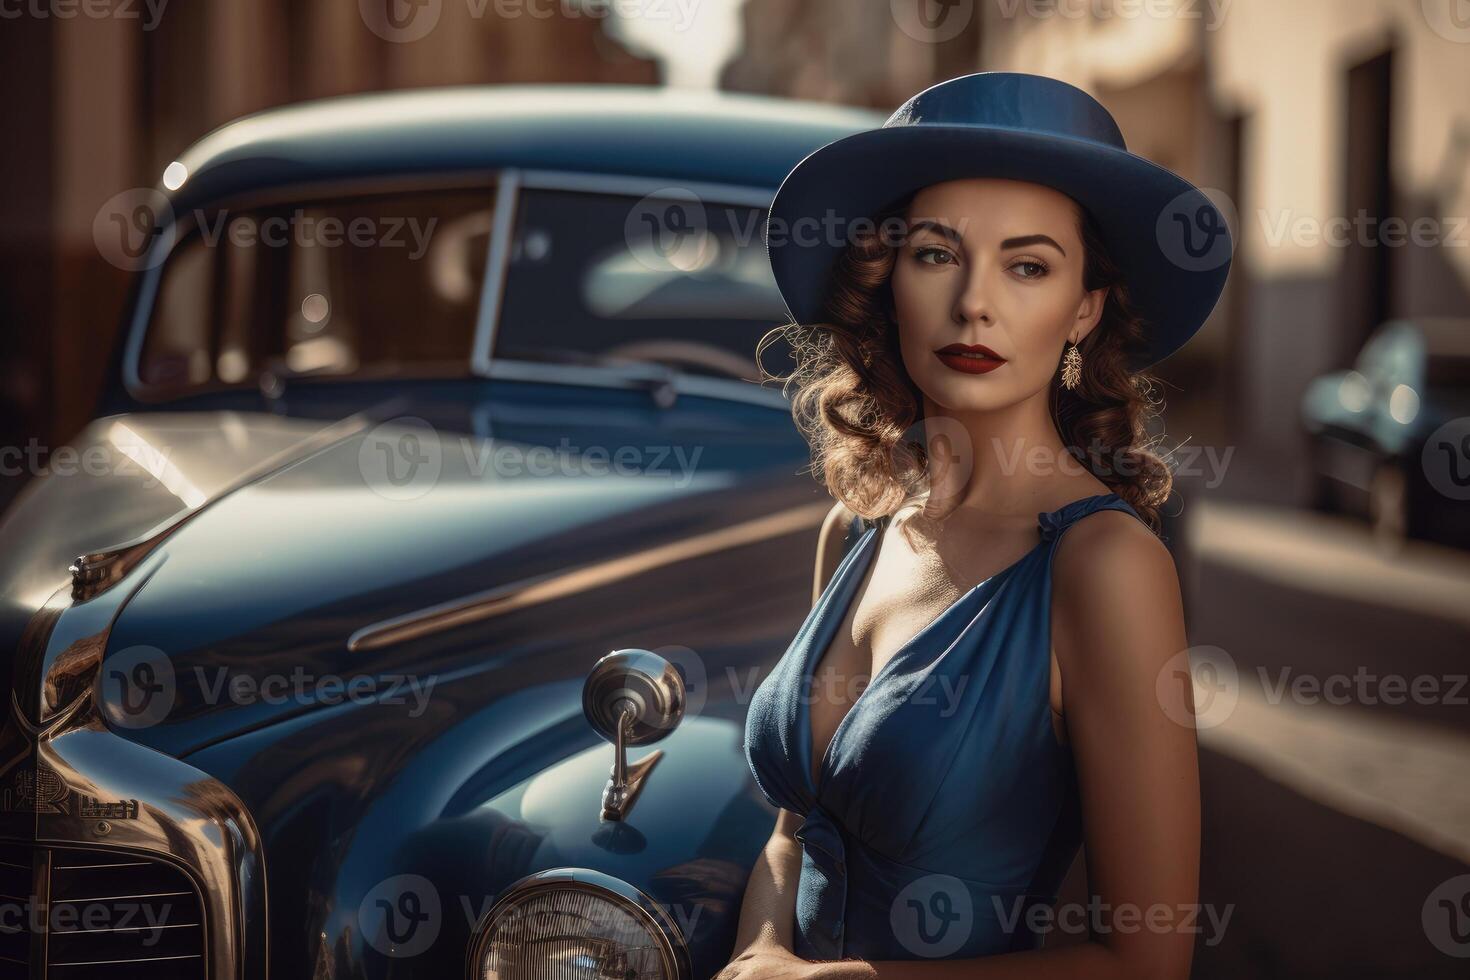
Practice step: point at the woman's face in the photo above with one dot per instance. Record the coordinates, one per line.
(996, 263)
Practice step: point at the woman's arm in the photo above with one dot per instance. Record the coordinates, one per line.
(1118, 622)
(767, 911)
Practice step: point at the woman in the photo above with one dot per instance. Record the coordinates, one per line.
(989, 677)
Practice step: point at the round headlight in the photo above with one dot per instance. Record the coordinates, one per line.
(576, 924)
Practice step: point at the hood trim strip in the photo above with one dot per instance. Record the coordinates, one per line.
(479, 606)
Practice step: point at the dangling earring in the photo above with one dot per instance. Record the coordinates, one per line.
(1072, 367)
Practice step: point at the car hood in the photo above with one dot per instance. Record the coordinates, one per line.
(252, 612)
(120, 478)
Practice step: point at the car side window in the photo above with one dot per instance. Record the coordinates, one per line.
(367, 284)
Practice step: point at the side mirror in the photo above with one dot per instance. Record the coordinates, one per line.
(631, 697)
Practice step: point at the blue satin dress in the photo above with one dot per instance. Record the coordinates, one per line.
(944, 808)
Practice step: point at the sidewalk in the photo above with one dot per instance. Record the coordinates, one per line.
(1335, 799)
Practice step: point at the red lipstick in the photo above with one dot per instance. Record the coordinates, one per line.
(970, 358)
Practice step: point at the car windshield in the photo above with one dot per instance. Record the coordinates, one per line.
(596, 278)
(375, 284)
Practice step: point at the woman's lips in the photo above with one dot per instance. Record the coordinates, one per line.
(969, 358)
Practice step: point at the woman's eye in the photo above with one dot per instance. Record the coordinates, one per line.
(1039, 267)
(923, 253)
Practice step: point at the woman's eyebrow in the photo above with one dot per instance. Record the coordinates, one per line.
(938, 227)
(1032, 240)
(945, 231)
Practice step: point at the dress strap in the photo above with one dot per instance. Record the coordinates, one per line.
(855, 530)
(1052, 523)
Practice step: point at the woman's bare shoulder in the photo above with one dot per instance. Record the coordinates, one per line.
(1109, 546)
(829, 545)
(1113, 573)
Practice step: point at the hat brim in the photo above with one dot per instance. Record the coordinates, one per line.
(1172, 243)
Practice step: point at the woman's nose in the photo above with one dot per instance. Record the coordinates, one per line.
(973, 303)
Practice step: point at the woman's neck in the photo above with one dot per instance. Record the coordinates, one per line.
(1010, 462)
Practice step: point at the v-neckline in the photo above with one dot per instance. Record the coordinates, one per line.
(863, 555)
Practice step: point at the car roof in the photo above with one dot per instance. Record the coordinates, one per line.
(646, 131)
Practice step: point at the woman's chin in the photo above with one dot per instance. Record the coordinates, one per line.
(968, 393)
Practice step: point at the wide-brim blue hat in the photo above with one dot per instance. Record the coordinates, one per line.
(1170, 240)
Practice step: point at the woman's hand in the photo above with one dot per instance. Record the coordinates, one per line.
(767, 961)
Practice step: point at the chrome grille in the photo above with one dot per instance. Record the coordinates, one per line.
(84, 914)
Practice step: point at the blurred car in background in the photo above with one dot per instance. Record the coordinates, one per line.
(424, 403)
(1376, 432)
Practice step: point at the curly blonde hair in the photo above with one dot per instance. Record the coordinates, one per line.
(857, 406)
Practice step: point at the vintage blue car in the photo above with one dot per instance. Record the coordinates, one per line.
(425, 404)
